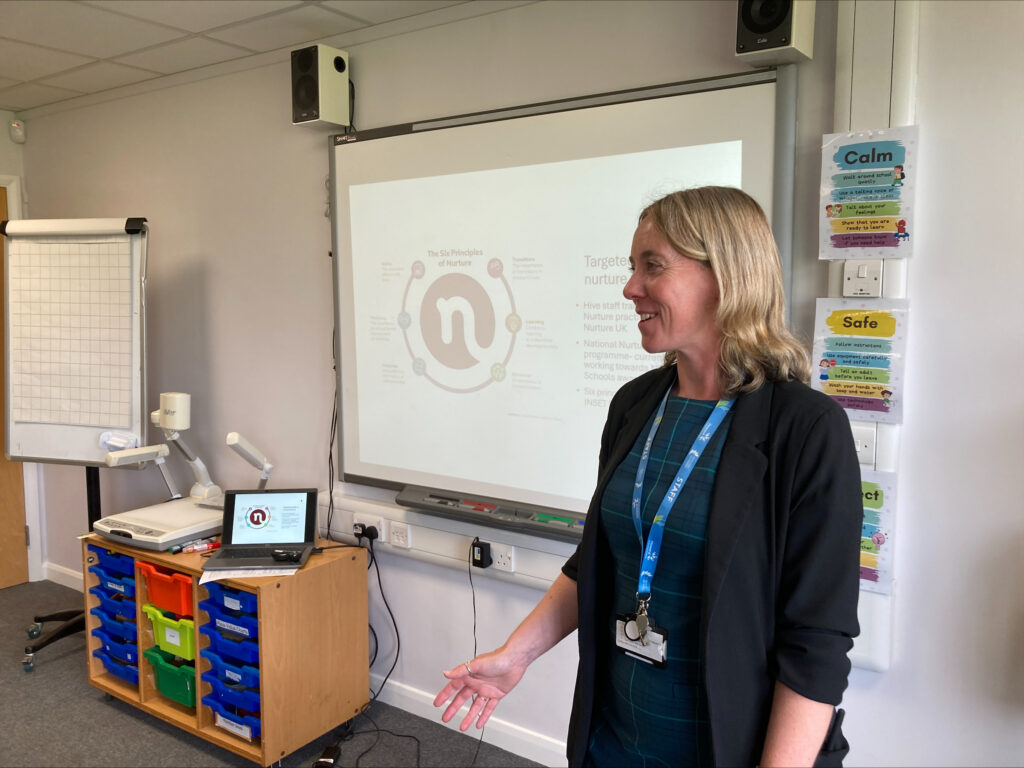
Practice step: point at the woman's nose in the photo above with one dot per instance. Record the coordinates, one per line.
(631, 290)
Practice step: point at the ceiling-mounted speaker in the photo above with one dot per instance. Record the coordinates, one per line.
(770, 32)
(320, 86)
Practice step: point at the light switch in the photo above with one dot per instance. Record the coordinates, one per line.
(864, 440)
(862, 278)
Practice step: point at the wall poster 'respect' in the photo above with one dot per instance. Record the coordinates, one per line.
(867, 194)
(878, 490)
(859, 355)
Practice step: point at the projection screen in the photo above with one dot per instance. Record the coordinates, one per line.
(480, 263)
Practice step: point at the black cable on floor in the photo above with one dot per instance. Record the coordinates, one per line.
(378, 730)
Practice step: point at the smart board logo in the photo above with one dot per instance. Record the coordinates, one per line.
(451, 324)
(257, 517)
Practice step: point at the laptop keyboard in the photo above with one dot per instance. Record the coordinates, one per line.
(250, 552)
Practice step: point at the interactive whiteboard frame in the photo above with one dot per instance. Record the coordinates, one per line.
(590, 126)
(64, 438)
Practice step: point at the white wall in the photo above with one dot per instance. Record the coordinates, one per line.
(11, 156)
(239, 282)
(238, 290)
(955, 692)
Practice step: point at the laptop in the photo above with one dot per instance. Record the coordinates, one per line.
(266, 529)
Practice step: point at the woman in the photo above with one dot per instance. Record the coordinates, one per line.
(748, 590)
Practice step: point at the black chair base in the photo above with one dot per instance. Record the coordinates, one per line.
(74, 619)
(73, 622)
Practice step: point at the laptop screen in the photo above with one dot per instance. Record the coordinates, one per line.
(270, 516)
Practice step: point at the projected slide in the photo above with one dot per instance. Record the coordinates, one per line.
(493, 300)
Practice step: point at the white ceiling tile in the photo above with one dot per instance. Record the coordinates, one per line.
(28, 95)
(78, 28)
(195, 15)
(22, 61)
(98, 77)
(302, 25)
(49, 43)
(379, 11)
(183, 55)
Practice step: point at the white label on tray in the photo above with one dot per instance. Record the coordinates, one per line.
(232, 675)
(233, 603)
(232, 627)
(230, 725)
(172, 636)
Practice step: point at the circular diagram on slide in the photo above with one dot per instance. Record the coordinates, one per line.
(257, 517)
(459, 323)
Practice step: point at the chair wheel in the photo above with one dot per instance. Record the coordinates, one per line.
(35, 631)
(28, 663)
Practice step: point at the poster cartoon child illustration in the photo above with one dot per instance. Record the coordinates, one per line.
(887, 398)
(823, 367)
(898, 176)
(901, 230)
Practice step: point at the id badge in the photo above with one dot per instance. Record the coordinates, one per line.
(654, 651)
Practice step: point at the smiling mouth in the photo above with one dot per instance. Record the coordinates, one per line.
(645, 316)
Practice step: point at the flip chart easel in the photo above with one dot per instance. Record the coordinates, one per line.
(74, 309)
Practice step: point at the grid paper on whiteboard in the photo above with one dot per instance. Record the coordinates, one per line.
(70, 331)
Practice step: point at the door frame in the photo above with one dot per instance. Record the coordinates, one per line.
(31, 475)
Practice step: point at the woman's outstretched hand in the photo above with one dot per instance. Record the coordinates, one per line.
(485, 680)
(482, 681)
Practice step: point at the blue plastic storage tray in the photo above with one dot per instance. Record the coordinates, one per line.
(126, 652)
(115, 606)
(229, 672)
(232, 646)
(226, 620)
(127, 672)
(233, 695)
(113, 583)
(125, 631)
(113, 562)
(226, 717)
(232, 599)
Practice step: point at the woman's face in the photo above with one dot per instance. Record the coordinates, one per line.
(675, 296)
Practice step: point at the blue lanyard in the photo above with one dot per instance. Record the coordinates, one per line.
(653, 547)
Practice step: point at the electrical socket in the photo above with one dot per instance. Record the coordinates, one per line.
(399, 535)
(377, 522)
(503, 557)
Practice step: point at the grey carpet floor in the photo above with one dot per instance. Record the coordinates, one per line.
(53, 717)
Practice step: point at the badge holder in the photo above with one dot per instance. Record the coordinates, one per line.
(650, 646)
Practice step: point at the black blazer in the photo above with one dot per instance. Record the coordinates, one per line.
(782, 566)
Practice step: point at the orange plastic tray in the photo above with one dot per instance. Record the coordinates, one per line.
(168, 590)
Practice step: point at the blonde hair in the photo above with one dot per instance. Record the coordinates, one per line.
(726, 229)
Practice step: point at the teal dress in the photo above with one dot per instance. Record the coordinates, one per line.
(646, 716)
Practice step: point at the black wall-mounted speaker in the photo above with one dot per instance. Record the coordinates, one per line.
(320, 86)
(770, 32)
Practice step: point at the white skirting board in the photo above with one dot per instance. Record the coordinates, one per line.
(66, 577)
(500, 733)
